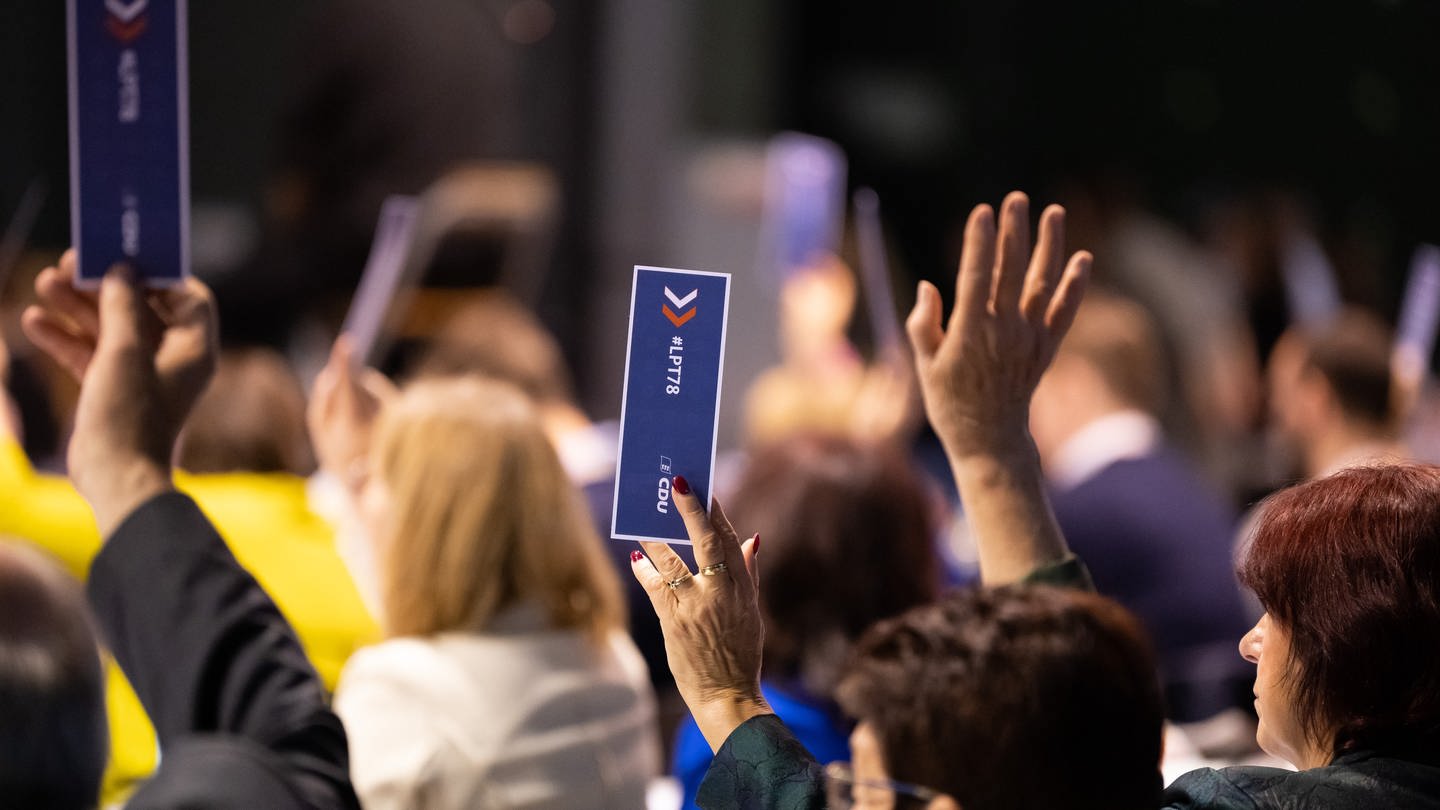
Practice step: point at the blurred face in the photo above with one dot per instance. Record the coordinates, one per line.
(868, 762)
(1267, 646)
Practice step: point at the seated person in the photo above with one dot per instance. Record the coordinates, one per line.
(506, 678)
(1348, 569)
(1154, 534)
(241, 715)
(847, 543)
(243, 454)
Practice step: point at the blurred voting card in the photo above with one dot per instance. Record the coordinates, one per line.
(804, 202)
(384, 278)
(668, 419)
(875, 274)
(1419, 315)
(129, 138)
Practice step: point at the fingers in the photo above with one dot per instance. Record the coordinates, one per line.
(728, 541)
(1046, 266)
(55, 287)
(669, 565)
(124, 312)
(1013, 257)
(709, 549)
(748, 552)
(977, 261)
(1068, 295)
(70, 351)
(923, 325)
(649, 578)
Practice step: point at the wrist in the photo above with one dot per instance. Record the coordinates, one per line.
(720, 714)
(123, 489)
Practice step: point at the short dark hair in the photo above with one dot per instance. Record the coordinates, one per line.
(1015, 697)
(1349, 565)
(53, 737)
(251, 418)
(848, 542)
(495, 335)
(1352, 355)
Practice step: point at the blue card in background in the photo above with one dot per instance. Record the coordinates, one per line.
(668, 418)
(129, 138)
(804, 201)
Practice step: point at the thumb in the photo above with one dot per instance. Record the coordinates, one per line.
(122, 310)
(923, 325)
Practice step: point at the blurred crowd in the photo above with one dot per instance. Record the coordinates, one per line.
(384, 576)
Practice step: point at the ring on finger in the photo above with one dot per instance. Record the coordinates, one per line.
(712, 570)
(678, 581)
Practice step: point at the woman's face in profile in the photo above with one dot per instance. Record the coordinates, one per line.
(1267, 646)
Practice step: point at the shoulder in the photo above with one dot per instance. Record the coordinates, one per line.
(1355, 781)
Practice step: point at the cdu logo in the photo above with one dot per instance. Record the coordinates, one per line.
(126, 20)
(680, 303)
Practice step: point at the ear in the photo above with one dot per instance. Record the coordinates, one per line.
(943, 803)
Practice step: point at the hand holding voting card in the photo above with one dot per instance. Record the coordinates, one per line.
(129, 138)
(383, 279)
(672, 398)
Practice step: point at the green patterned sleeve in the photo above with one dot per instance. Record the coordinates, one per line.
(1068, 573)
(762, 766)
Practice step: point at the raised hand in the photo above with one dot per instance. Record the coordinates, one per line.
(1012, 308)
(143, 357)
(978, 372)
(344, 405)
(710, 617)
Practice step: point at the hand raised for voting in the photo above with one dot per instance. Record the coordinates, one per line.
(142, 357)
(344, 406)
(1012, 307)
(711, 617)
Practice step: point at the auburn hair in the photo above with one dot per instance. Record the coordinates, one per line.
(1349, 565)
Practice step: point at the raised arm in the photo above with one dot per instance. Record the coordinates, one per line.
(241, 716)
(978, 371)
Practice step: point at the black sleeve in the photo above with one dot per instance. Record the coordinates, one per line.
(218, 669)
(762, 766)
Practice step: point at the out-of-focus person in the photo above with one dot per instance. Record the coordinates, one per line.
(505, 678)
(1155, 535)
(496, 336)
(1332, 394)
(245, 442)
(53, 741)
(823, 384)
(848, 542)
(242, 718)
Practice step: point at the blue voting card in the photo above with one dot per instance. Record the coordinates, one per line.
(669, 415)
(129, 138)
(804, 201)
(1419, 315)
(382, 283)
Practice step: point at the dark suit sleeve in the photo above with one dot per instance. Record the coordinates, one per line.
(762, 766)
(218, 669)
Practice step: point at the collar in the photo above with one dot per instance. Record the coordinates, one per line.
(1120, 436)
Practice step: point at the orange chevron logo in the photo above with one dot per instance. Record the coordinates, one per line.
(126, 20)
(680, 303)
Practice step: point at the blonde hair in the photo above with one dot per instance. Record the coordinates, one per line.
(483, 516)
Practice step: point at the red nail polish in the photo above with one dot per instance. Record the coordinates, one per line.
(636, 556)
(755, 545)
(681, 485)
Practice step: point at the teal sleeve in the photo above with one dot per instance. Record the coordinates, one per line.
(762, 766)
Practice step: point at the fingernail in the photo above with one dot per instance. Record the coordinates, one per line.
(755, 545)
(636, 556)
(681, 485)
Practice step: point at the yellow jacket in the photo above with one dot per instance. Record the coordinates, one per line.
(268, 525)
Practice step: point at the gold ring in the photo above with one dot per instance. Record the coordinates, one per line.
(675, 583)
(712, 570)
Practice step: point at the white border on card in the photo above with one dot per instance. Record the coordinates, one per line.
(182, 112)
(625, 396)
(72, 62)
